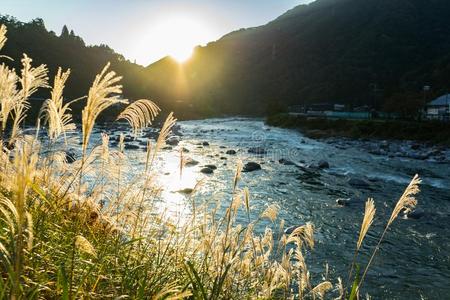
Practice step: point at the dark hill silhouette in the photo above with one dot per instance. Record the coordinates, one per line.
(358, 52)
(338, 51)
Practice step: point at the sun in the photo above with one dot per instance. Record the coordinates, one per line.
(179, 35)
(182, 55)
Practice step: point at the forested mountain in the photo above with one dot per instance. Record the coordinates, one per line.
(68, 51)
(375, 52)
(357, 52)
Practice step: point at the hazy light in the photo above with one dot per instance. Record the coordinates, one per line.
(178, 35)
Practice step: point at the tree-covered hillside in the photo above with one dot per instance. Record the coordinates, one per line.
(373, 52)
(337, 51)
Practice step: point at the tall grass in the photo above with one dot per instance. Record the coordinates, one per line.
(84, 230)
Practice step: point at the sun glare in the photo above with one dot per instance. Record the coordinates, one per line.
(179, 35)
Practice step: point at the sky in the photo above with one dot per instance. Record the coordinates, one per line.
(148, 30)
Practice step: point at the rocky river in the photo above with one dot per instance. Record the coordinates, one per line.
(324, 182)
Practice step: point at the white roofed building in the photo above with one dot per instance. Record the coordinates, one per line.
(438, 109)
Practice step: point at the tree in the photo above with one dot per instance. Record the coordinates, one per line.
(64, 32)
(407, 104)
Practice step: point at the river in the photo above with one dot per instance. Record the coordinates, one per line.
(414, 261)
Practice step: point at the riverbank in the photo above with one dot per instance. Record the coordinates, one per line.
(432, 132)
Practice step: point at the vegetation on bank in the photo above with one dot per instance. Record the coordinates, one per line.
(426, 131)
(91, 228)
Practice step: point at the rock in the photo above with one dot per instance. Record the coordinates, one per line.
(151, 135)
(207, 171)
(185, 191)
(251, 166)
(70, 157)
(348, 201)
(342, 201)
(358, 182)
(257, 150)
(222, 147)
(286, 162)
(173, 141)
(126, 139)
(167, 148)
(189, 162)
(131, 147)
(205, 144)
(230, 152)
(185, 150)
(223, 158)
(212, 167)
(303, 142)
(323, 164)
(416, 214)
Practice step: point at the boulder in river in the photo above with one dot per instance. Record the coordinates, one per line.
(207, 171)
(286, 162)
(416, 214)
(251, 166)
(70, 157)
(349, 201)
(205, 144)
(131, 146)
(186, 191)
(257, 150)
(173, 141)
(231, 152)
(189, 162)
(213, 167)
(323, 164)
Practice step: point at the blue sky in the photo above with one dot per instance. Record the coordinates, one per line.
(147, 30)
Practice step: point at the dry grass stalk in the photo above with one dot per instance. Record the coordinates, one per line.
(32, 78)
(55, 113)
(3, 38)
(369, 213)
(84, 245)
(407, 202)
(163, 134)
(140, 114)
(9, 94)
(103, 93)
(322, 288)
(270, 212)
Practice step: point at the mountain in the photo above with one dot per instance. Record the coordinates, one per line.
(357, 52)
(69, 51)
(330, 51)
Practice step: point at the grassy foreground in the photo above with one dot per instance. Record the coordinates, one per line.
(80, 229)
(436, 132)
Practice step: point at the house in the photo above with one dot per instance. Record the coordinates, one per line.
(438, 109)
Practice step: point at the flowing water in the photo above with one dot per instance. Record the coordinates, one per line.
(414, 259)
